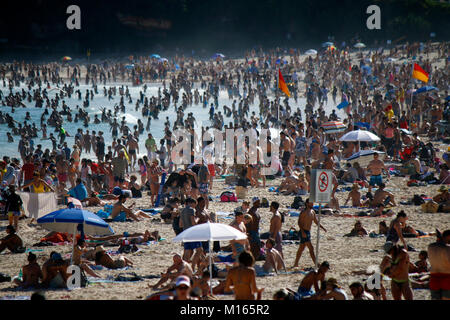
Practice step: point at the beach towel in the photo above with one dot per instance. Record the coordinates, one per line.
(37, 205)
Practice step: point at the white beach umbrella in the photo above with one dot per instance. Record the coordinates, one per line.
(210, 232)
(311, 52)
(360, 45)
(360, 135)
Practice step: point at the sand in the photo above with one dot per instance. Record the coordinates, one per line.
(345, 255)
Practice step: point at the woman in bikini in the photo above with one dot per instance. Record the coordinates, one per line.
(243, 279)
(142, 171)
(38, 185)
(72, 172)
(104, 259)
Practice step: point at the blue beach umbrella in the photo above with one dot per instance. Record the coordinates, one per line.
(129, 66)
(311, 52)
(218, 55)
(71, 219)
(156, 56)
(342, 105)
(327, 44)
(425, 89)
(363, 153)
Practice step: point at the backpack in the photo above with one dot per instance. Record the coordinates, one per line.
(264, 203)
(417, 200)
(297, 203)
(228, 196)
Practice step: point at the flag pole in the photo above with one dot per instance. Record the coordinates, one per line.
(412, 87)
(276, 94)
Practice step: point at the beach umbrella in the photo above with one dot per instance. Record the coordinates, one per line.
(363, 153)
(342, 105)
(156, 56)
(66, 58)
(360, 135)
(333, 126)
(359, 45)
(367, 68)
(406, 131)
(390, 59)
(70, 219)
(327, 44)
(218, 55)
(425, 89)
(163, 60)
(210, 232)
(129, 66)
(311, 52)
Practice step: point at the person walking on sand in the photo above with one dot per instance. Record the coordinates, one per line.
(305, 220)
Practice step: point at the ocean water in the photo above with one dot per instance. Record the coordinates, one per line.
(156, 128)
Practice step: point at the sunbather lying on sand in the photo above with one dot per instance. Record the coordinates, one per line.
(104, 259)
(134, 238)
(120, 209)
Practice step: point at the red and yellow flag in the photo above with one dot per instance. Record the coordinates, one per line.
(419, 73)
(282, 84)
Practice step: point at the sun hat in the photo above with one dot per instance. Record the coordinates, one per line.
(183, 280)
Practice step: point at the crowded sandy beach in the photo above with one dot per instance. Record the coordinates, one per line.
(105, 137)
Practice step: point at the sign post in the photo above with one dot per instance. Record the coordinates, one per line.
(321, 190)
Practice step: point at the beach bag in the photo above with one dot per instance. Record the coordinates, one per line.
(297, 203)
(430, 207)
(4, 278)
(228, 196)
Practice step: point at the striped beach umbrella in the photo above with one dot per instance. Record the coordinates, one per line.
(333, 126)
(66, 58)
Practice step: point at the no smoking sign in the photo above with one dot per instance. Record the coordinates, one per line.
(321, 187)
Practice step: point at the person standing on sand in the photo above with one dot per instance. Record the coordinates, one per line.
(243, 279)
(305, 220)
(376, 167)
(276, 223)
(253, 229)
(439, 256)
